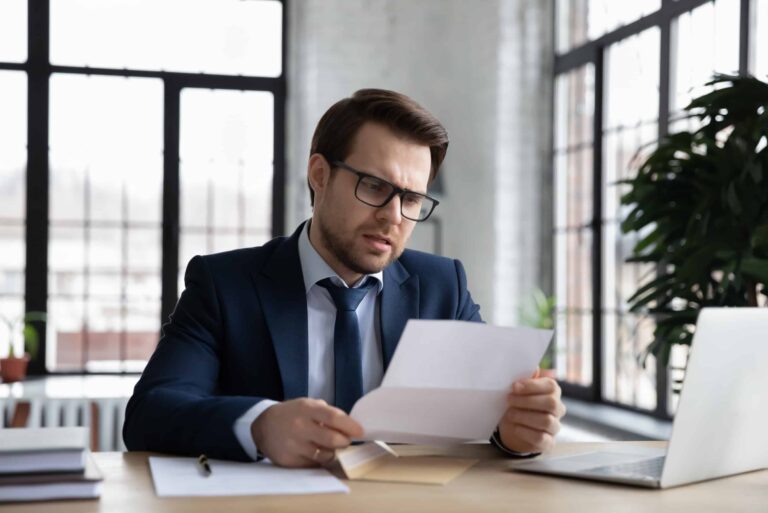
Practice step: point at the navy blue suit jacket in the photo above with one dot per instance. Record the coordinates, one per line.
(239, 335)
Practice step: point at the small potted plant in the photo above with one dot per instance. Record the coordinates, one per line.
(539, 312)
(14, 367)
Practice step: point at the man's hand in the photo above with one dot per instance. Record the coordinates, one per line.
(532, 419)
(303, 432)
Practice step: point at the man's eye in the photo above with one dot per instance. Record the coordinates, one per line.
(373, 185)
(412, 200)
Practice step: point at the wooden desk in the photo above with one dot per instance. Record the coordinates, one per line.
(488, 486)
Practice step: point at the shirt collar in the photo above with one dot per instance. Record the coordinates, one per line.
(314, 268)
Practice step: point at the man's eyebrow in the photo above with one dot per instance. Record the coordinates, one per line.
(369, 173)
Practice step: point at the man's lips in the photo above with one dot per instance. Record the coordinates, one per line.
(378, 242)
(381, 238)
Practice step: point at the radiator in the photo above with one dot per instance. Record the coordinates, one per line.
(105, 417)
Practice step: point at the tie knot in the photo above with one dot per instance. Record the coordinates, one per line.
(346, 299)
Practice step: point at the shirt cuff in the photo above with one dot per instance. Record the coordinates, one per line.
(242, 428)
(496, 440)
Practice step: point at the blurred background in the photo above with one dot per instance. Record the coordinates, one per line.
(137, 134)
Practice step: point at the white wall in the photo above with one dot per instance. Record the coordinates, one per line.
(484, 69)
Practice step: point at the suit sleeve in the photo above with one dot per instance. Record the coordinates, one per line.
(175, 407)
(467, 309)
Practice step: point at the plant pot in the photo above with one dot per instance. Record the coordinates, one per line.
(13, 369)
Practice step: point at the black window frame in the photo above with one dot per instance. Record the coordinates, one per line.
(39, 70)
(593, 52)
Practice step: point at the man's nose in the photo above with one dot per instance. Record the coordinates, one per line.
(391, 212)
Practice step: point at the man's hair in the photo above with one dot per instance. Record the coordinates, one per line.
(336, 130)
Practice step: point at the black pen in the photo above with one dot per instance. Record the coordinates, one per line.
(203, 465)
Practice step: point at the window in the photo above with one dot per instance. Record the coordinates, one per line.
(625, 70)
(106, 170)
(135, 128)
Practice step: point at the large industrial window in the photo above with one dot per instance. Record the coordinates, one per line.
(624, 71)
(128, 144)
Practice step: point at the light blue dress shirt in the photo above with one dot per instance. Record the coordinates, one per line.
(321, 317)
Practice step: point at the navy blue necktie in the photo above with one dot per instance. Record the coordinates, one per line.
(347, 346)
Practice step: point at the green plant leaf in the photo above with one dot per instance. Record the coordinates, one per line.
(31, 340)
(651, 285)
(733, 200)
(756, 269)
(759, 240)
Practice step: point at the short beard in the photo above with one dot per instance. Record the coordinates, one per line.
(340, 251)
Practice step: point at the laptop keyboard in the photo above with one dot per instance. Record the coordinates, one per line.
(637, 469)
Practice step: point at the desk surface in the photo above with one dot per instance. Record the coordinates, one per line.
(488, 486)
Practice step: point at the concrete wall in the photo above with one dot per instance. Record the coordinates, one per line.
(484, 69)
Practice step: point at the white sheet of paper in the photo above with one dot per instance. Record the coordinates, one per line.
(180, 477)
(448, 381)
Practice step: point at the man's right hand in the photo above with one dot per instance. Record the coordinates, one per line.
(303, 432)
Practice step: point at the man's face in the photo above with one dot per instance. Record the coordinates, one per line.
(355, 238)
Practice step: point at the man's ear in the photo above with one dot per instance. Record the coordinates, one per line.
(318, 174)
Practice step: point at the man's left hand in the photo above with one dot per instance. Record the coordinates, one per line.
(532, 419)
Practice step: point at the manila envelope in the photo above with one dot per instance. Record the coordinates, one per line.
(376, 461)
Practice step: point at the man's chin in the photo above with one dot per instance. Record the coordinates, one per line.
(373, 265)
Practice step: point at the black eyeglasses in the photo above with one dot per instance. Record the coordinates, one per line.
(375, 192)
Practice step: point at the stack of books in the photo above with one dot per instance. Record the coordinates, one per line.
(47, 463)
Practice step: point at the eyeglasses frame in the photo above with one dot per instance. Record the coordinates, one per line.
(396, 191)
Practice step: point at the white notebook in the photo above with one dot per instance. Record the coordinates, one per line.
(50, 486)
(32, 450)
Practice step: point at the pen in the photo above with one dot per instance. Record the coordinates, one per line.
(203, 465)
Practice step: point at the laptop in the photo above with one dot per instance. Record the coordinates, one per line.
(719, 429)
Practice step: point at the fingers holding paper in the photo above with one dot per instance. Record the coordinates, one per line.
(532, 419)
(303, 432)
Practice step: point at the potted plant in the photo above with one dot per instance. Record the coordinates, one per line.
(700, 204)
(14, 367)
(539, 312)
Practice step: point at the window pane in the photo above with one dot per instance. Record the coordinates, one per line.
(607, 15)
(573, 358)
(571, 22)
(13, 31)
(13, 145)
(141, 338)
(573, 166)
(106, 140)
(760, 39)
(225, 171)
(631, 105)
(574, 178)
(574, 107)
(198, 36)
(706, 41)
(626, 379)
(581, 20)
(106, 148)
(13, 162)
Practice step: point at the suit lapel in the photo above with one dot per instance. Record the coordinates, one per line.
(399, 302)
(280, 285)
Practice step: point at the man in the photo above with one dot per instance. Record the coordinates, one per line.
(268, 348)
